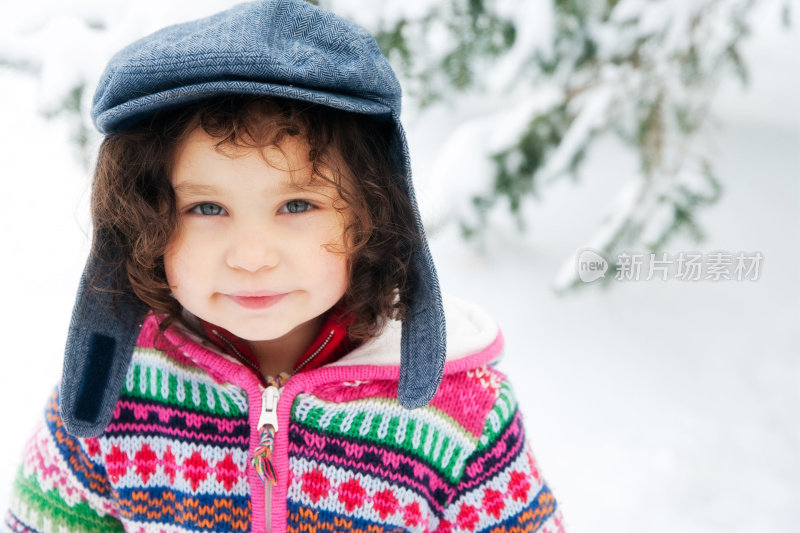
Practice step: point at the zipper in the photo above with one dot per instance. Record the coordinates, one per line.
(268, 423)
(315, 353)
(262, 458)
(267, 429)
(269, 407)
(244, 360)
(257, 370)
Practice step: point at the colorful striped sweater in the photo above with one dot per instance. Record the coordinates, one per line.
(177, 453)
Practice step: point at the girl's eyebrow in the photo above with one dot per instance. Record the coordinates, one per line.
(195, 188)
(289, 187)
(286, 187)
(314, 186)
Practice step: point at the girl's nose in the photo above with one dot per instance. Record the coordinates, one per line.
(252, 252)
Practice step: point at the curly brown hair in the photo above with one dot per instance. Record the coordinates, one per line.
(134, 211)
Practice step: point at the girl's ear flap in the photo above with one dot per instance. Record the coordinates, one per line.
(100, 343)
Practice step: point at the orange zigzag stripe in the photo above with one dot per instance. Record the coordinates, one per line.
(307, 521)
(188, 510)
(531, 520)
(78, 460)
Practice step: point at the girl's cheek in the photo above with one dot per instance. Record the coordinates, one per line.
(173, 257)
(183, 250)
(194, 232)
(335, 268)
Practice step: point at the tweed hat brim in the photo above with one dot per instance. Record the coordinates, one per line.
(283, 48)
(128, 113)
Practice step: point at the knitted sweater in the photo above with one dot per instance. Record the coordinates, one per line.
(176, 455)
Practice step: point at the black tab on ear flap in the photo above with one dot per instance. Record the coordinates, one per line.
(95, 376)
(102, 335)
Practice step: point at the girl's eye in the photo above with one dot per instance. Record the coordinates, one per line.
(296, 206)
(208, 209)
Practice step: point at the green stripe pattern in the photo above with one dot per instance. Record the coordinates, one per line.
(47, 511)
(430, 435)
(154, 376)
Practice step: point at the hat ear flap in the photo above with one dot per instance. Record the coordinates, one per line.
(423, 344)
(102, 335)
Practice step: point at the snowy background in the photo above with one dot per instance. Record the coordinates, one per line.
(652, 406)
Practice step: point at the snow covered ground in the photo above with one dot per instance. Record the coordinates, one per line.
(651, 406)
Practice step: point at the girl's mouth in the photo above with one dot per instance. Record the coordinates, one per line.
(256, 302)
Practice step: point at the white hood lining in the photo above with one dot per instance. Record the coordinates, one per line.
(469, 330)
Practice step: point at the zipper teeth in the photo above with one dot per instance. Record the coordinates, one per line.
(238, 354)
(250, 364)
(316, 352)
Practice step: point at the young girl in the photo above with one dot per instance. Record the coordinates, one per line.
(258, 343)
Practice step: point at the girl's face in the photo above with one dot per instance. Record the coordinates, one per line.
(253, 253)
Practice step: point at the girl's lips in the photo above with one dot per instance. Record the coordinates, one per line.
(256, 302)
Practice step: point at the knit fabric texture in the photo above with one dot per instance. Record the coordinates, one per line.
(176, 457)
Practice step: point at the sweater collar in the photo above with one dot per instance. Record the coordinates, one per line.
(330, 345)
